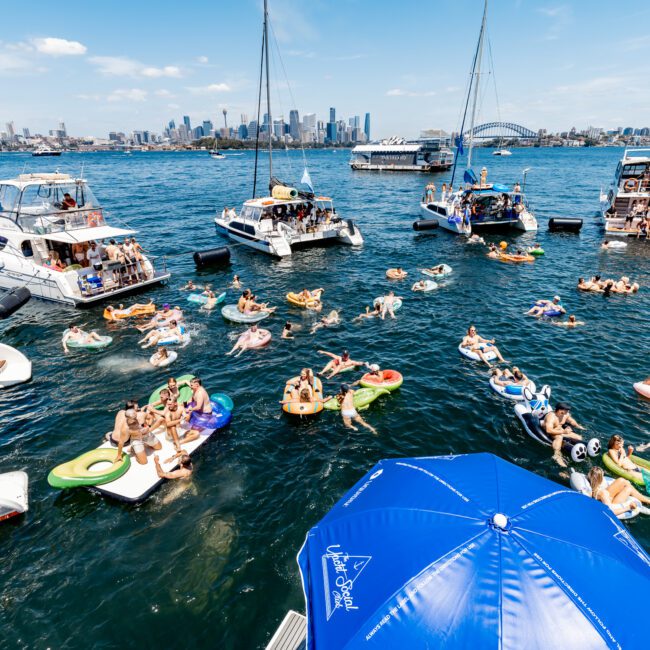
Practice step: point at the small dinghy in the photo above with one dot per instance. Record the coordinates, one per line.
(17, 368)
(13, 494)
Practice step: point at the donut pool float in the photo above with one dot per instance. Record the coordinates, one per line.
(642, 388)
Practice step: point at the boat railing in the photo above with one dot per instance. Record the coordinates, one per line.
(109, 276)
(629, 153)
(46, 223)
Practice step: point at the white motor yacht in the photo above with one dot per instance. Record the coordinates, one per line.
(43, 232)
(44, 150)
(502, 152)
(625, 205)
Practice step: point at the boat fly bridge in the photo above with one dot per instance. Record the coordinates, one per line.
(54, 238)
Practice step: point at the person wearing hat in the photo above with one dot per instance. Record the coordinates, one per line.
(348, 411)
(559, 425)
(338, 363)
(541, 307)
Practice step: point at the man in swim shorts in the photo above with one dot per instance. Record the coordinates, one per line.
(339, 363)
(173, 415)
(388, 305)
(140, 436)
(559, 425)
(348, 411)
(79, 336)
(184, 469)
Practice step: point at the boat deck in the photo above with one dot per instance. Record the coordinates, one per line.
(292, 633)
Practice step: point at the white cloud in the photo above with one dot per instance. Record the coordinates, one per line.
(128, 94)
(560, 17)
(59, 46)
(209, 89)
(399, 92)
(163, 92)
(121, 66)
(202, 59)
(636, 43)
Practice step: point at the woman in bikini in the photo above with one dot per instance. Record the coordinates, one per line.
(616, 451)
(615, 495)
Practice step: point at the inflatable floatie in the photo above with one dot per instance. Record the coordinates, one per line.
(201, 299)
(535, 251)
(617, 244)
(303, 408)
(218, 419)
(632, 477)
(265, 340)
(172, 355)
(14, 498)
(580, 483)
(224, 400)
(129, 312)
(392, 274)
(511, 391)
(362, 398)
(429, 285)
(184, 339)
(184, 393)
(531, 412)
(446, 270)
(549, 313)
(512, 257)
(490, 355)
(397, 305)
(640, 387)
(92, 468)
(299, 301)
(104, 341)
(17, 369)
(390, 380)
(230, 312)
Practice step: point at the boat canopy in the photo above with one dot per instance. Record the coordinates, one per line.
(87, 234)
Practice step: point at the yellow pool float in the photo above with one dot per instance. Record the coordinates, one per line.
(110, 313)
(299, 300)
(296, 407)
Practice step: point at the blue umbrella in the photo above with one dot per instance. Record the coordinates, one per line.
(471, 552)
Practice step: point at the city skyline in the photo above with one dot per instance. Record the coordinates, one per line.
(562, 74)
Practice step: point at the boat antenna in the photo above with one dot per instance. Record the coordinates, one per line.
(259, 108)
(268, 90)
(476, 86)
(81, 172)
(459, 140)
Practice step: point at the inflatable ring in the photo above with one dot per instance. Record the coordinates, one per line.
(509, 257)
(129, 312)
(632, 477)
(446, 270)
(642, 388)
(172, 355)
(79, 472)
(631, 185)
(390, 380)
(490, 355)
(514, 392)
(302, 408)
(536, 251)
(184, 394)
(394, 274)
(397, 305)
(230, 312)
(209, 422)
(362, 398)
(305, 303)
(224, 400)
(104, 341)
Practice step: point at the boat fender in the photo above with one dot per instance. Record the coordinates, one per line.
(631, 185)
(13, 301)
(425, 224)
(351, 227)
(212, 257)
(564, 224)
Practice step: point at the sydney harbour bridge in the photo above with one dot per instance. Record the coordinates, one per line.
(506, 130)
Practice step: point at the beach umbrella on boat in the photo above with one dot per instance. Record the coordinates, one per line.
(471, 552)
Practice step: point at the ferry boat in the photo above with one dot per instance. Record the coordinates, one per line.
(43, 150)
(430, 153)
(286, 218)
(36, 222)
(479, 204)
(625, 205)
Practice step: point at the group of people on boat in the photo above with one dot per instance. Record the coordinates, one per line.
(301, 217)
(637, 218)
(608, 286)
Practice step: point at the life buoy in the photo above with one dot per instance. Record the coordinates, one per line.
(631, 185)
(92, 221)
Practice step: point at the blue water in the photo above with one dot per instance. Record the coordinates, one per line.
(212, 563)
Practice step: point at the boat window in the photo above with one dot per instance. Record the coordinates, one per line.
(633, 171)
(26, 248)
(8, 198)
(3, 242)
(48, 198)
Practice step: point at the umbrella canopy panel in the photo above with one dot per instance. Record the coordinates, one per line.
(470, 551)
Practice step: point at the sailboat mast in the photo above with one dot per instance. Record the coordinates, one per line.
(268, 89)
(477, 76)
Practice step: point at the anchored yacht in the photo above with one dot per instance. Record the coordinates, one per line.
(43, 150)
(625, 206)
(47, 222)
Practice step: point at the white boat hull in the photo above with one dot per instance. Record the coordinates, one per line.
(14, 498)
(17, 369)
(525, 222)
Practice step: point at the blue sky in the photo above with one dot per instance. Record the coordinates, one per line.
(122, 65)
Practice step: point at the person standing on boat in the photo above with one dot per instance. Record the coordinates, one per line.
(443, 192)
(484, 177)
(93, 254)
(68, 202)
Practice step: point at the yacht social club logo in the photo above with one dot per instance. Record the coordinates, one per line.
(340, 572)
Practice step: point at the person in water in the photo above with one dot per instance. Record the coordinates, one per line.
(388, 305)
(153, 337)
(571, 322)
(493, 251)
(160, 356)
(236, 282)
(211, 300)
(305, 382)
(475, 343)
(543, 307)
(506, 377)
(251, 338)
(184, 468)
(349, 412)
(396, 274)
(77, 335)
(420, 285)
(163, 318)
(436, 270)
(616, 451)
(338, 363)
(113, 313)
(376, 311)
(330, 320)
(558, 425)
(190, 286)
(616, 495)
(286, 331)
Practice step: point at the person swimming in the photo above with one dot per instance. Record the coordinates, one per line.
(376, 311)
(330, 320)
(349, 412)
(338, 363)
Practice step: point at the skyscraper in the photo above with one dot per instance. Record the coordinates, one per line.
(366, 127)
(294, 125)
(186, 122)
(10, 130)
(332, 115)
(64, 133)
(172, 124)
(207, 127)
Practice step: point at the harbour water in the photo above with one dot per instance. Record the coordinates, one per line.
(212, 563)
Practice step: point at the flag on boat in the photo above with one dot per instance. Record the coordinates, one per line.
(306, 180)
(459, 144)
(470, 177)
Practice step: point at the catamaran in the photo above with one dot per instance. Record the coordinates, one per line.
(48, 219)
(625, 205)
(288, 218)
(478, 205)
